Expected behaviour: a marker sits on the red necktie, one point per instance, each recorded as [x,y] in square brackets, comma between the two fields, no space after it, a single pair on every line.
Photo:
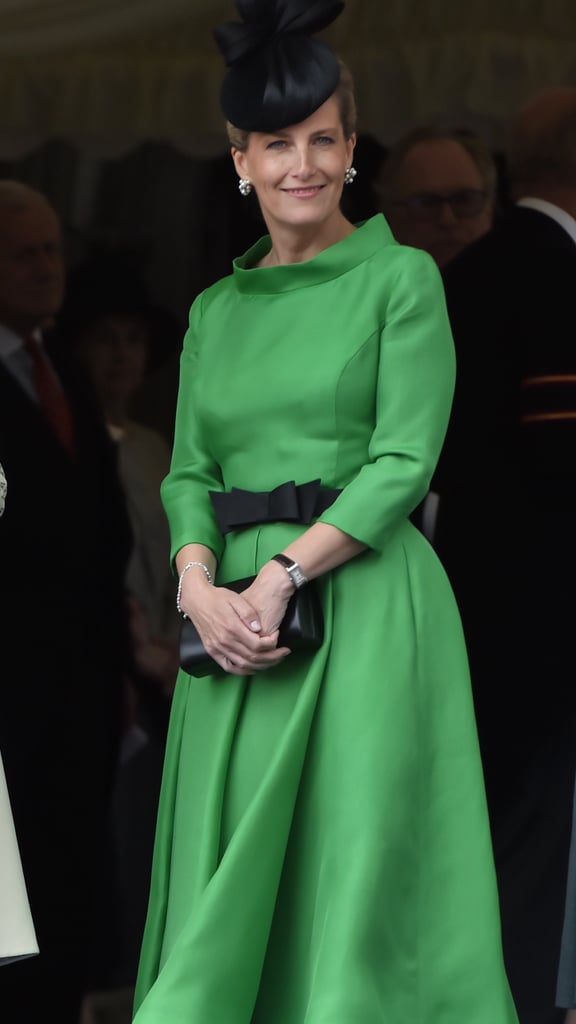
[51,397]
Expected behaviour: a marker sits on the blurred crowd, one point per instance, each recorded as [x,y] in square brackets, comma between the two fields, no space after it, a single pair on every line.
[90,630]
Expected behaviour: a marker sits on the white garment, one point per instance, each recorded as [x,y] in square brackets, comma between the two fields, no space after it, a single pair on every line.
[562,217]
[17,934]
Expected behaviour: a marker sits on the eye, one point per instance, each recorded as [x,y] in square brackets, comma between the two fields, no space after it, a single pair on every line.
[324,140]
[276,144]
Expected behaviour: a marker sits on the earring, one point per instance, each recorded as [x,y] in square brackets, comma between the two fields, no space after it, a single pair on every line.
[349,175]
[245,186]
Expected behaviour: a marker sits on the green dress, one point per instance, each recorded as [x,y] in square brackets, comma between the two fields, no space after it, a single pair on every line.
[323,852]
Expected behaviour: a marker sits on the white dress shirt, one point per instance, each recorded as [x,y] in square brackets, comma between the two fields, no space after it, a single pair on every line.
[565,220]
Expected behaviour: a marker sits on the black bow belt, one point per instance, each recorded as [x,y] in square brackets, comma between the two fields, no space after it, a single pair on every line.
[290,503]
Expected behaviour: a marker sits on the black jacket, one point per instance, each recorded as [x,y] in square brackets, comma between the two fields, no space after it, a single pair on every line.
[64,545]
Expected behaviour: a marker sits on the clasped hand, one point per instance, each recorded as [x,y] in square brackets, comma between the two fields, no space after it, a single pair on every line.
[240,631]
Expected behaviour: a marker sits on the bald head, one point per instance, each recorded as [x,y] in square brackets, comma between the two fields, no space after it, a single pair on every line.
[31,265]
[16,195]
[542,146]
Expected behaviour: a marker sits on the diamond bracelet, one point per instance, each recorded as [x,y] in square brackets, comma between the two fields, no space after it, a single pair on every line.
[189,565]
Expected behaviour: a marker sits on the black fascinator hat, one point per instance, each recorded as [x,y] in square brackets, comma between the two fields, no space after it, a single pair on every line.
[278,74]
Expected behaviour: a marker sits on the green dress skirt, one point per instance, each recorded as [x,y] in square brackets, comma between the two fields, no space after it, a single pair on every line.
[323,852]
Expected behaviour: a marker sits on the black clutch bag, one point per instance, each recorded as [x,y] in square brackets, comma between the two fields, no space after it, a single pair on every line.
[301,629]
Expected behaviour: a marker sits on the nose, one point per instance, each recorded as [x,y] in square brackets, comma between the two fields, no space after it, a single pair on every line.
[446,215]
[47,263]
[303,162]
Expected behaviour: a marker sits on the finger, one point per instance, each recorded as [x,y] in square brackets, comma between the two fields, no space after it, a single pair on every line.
[245,648]
[261,663]
[243,666]
[247,614]
[235,669]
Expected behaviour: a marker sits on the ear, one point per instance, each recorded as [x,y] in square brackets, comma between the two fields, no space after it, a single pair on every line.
[239,158]
[350,145]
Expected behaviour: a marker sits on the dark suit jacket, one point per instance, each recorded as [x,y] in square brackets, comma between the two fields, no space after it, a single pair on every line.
[64,544]
[507,474]
[506,534]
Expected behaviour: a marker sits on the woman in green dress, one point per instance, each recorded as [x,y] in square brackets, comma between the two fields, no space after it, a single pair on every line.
[323,853]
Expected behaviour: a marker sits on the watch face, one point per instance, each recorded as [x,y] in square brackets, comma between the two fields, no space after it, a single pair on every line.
[298,576]
[292,568]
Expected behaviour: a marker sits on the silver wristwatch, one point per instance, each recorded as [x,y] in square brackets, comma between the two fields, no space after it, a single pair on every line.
[293,569]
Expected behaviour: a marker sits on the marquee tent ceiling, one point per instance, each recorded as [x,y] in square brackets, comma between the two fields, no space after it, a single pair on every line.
[106,76]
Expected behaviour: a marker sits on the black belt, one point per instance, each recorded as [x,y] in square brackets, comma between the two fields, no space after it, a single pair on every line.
[290,503]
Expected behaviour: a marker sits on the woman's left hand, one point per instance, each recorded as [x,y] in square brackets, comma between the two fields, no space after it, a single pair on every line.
[269,595]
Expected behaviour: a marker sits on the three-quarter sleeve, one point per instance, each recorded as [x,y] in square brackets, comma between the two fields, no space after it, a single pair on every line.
[416,376]
[193,471]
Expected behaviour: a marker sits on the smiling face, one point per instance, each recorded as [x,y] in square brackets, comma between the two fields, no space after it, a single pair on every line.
[298,172]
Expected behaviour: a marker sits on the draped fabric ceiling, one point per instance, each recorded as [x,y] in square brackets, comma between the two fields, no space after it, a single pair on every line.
[106,75]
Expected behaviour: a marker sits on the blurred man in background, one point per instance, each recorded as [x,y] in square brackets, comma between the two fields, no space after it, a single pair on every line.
[505,529]
[64,544]
[438,191]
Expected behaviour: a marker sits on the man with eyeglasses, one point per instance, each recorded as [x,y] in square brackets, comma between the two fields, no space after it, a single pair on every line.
[506,533]
[437,190]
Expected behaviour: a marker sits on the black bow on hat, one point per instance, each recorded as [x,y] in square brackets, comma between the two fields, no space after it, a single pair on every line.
[278,74]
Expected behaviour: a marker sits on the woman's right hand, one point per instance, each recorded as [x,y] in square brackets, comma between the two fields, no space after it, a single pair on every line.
[230,629]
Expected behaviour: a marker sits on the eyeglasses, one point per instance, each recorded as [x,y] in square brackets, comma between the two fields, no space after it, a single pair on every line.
[464,202]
